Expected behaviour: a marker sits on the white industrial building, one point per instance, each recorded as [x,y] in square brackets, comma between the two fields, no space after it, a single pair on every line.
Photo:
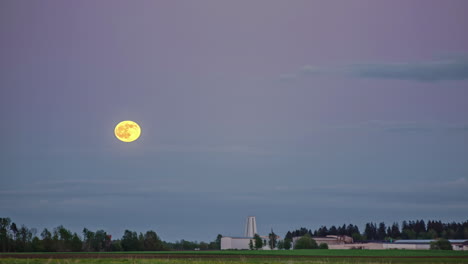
[329,240]
[457,244]
[240,243]
[422,244]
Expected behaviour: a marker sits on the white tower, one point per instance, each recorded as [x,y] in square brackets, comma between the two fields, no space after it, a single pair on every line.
[250,227]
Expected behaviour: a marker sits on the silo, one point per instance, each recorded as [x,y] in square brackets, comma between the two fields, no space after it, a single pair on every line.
[250,227]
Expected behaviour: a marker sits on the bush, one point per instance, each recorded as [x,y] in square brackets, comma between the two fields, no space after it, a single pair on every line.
[281,244]
[287,244]
[441,244]
[305,242]
[323,246]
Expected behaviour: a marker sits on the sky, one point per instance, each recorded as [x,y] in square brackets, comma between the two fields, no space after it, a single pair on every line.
[301,113]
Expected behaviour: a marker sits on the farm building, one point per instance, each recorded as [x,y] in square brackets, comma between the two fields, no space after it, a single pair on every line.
[235,242]
[457,244]
[329,240]
[241,242]
[228,242]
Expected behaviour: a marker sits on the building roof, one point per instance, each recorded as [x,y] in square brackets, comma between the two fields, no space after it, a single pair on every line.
[326,238]
[239,237]
[428,241]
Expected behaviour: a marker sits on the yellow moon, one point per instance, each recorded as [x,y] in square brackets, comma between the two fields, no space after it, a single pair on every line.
[127,131]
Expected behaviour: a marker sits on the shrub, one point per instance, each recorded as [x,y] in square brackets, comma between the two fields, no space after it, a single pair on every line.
[323,246]
[305,242]
[441,244]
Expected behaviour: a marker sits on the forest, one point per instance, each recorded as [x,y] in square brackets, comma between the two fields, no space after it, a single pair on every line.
[14,238]
[418,229]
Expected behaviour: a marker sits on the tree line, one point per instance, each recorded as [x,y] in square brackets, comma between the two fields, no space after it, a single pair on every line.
[258,242]
[60,239]
[418,229]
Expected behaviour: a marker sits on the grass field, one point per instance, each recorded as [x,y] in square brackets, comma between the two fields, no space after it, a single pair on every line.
[233,261]
[303,252]
[231,257]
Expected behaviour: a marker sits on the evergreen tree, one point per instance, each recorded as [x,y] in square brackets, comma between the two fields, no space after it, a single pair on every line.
[47,241]
[152,242]
[4,236]
[129,241]
[382,231]
[218,241]
[395,232]
[287,244]
[281,244]
[258,242]
[76,243]
[272,239]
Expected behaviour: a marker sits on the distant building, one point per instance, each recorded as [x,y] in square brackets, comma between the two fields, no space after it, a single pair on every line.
[250,227]
[236,242]
[240,243]
[329,240]
[422,244]
[457,244]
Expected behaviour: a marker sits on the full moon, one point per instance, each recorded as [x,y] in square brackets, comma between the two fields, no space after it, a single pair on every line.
[127,131]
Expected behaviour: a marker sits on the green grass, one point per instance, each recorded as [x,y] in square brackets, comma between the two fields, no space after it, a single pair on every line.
[304,252]
[232,261]
[242,256]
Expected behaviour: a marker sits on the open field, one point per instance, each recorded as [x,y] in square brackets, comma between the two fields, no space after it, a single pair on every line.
[220,257]
[237,260]
[248,253]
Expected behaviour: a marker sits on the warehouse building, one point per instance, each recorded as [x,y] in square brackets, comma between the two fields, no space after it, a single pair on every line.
[233,243]
[330,240]
[457,244]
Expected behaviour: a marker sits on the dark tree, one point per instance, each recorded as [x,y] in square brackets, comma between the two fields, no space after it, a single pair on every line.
[4,237]
[323,246]
[370,231]
[129,241]
[441,244]
[382,231]
[281,244]
[152,242]
[287,244]
[272,239]
[251,246]
[305,242]
[258,242]
[395,231]
[47,241]
[218,241]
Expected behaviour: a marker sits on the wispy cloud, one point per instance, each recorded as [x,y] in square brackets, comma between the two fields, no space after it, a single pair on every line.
[425,71]
[287,77]
[401,126]
[443,193]
[428,71]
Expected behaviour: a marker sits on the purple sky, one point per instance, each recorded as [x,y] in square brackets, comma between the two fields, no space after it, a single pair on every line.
[303,113]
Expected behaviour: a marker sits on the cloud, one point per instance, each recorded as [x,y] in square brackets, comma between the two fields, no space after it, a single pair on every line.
[429,71]
[426,71]
[310,70]
[287,77]
[81,194]
[212,149]
[410,127]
